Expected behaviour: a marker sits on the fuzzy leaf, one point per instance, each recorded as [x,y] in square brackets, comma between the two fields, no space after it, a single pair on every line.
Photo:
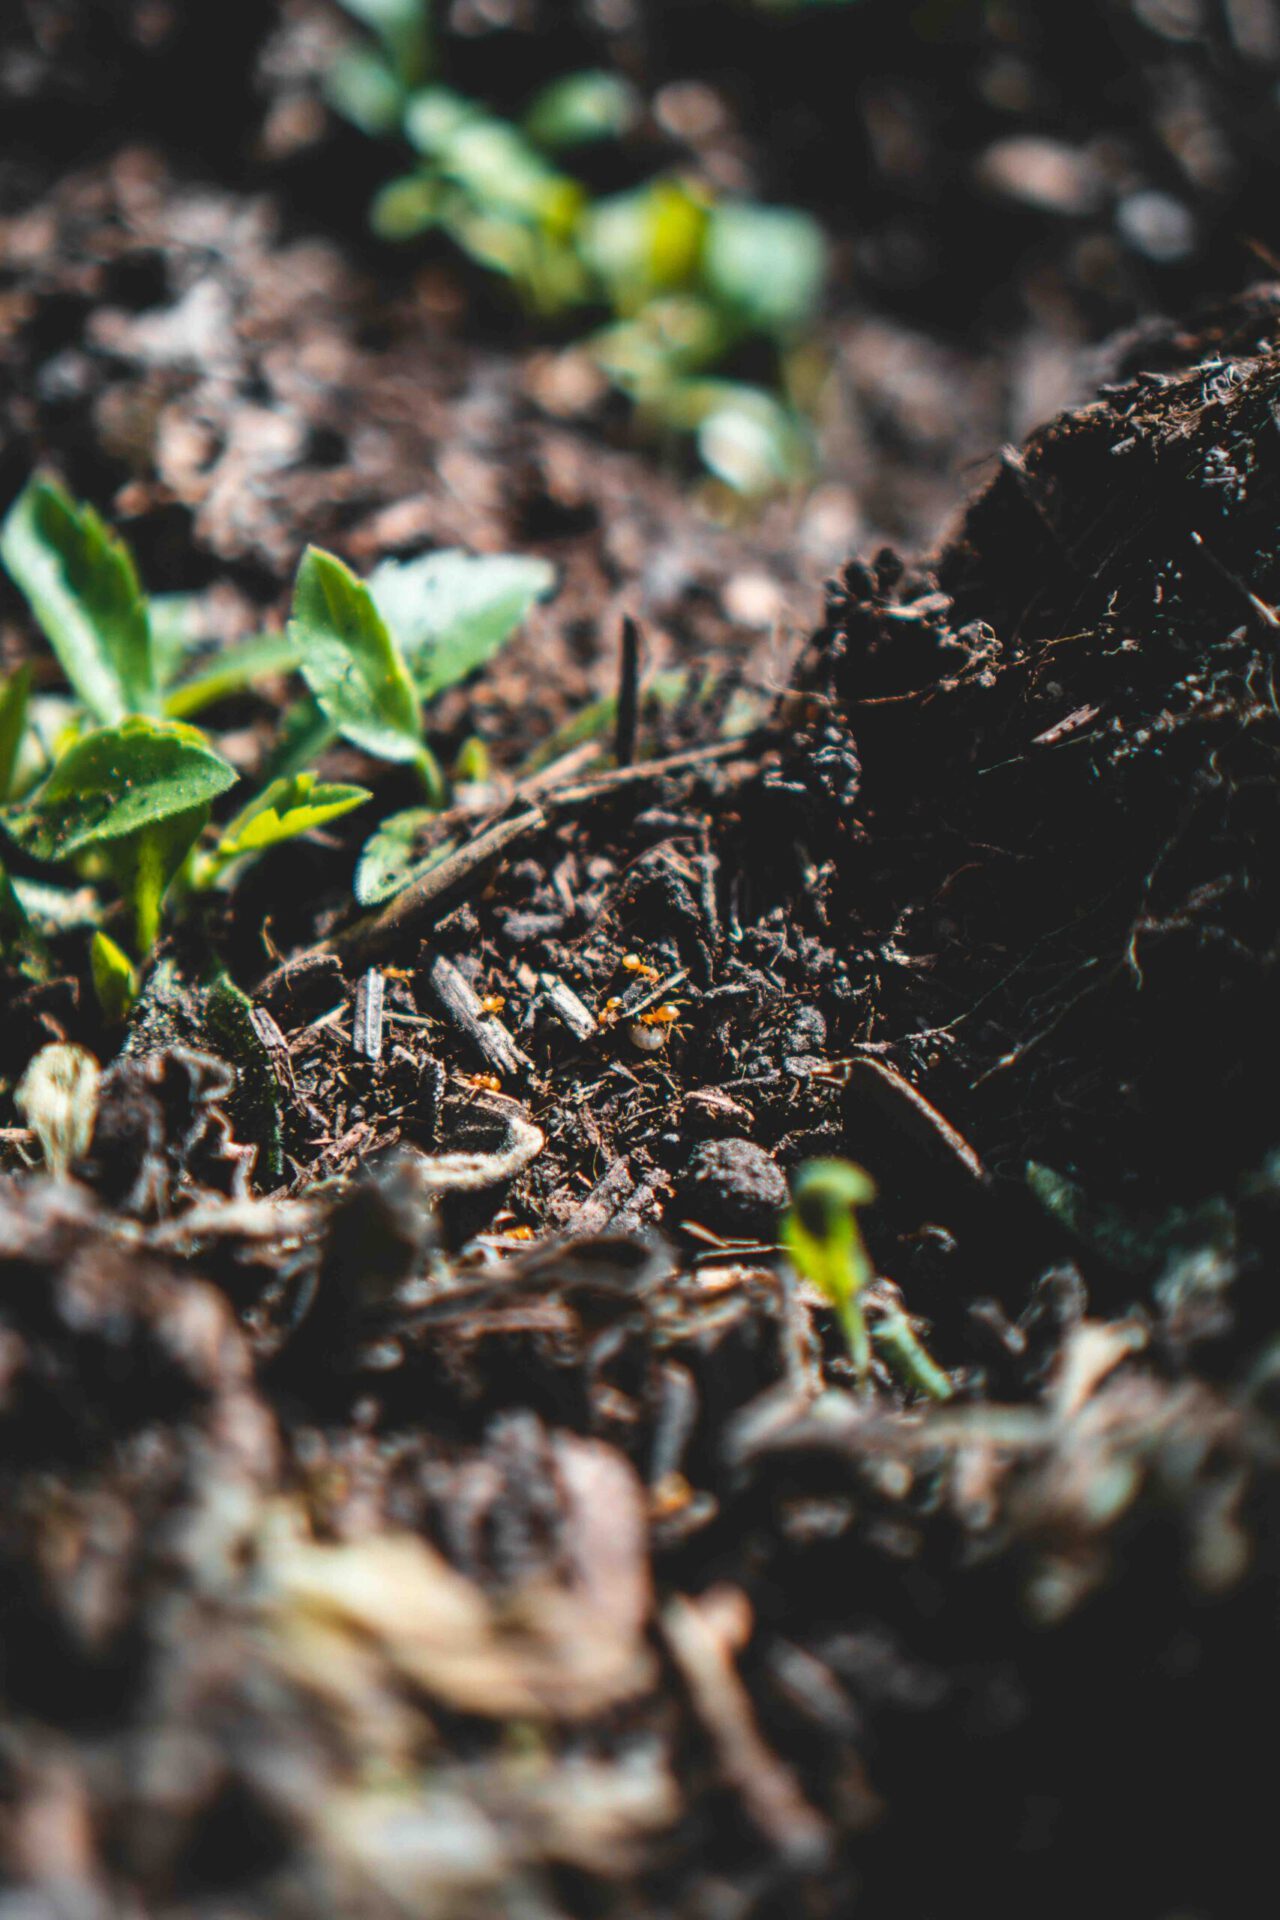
[116,781]
[451,611]
[83,588]
[350,661]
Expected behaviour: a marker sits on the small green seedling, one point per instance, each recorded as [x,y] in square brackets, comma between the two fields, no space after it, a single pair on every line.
[117,783]
[820,1231]
[897,1340]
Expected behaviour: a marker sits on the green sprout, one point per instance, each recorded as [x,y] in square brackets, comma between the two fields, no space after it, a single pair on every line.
[116,782]
[820,1232]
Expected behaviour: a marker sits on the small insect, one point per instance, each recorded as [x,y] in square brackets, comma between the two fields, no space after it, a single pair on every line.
[519,1233]
[398,973]
[632,963]
[609,1011]
[653,1029]
[482,1082]
[493,1003]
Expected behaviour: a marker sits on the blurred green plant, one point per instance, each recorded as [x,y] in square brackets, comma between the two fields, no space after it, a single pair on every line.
[821,1234]
[115,783]
[685,275]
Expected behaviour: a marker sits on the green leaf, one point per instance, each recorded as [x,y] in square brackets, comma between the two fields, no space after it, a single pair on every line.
[13,720]
[350,661]
[83,588]
[646,242]
[115,782]
[20,942]
[282,811]
[231,671]
[115,980]
[177,628]
[255,1103]
[363,88]
[403,27]
[434,116]
[746,436]
[767,264]
[580,107]
[304,733]
[664,340]
[393,856]
[451,611]
[492,161]
[407,206]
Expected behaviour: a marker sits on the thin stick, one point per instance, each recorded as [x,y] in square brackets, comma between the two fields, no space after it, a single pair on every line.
[367,936]
[628,694]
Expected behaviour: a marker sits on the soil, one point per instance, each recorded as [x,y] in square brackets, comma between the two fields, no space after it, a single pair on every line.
[426,1486]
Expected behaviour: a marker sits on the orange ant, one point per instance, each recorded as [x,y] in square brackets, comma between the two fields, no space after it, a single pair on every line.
[651,1031]
[632,963]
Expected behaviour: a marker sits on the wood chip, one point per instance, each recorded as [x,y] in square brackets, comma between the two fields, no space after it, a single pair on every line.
[460,1002]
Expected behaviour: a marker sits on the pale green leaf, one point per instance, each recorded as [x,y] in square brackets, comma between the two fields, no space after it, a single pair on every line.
[350,661]
[451,611]
[766,264]
[434,116]
[362,87]
[83,588]
[746,436]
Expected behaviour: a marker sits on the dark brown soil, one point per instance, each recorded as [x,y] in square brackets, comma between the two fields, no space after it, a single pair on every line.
[425,1487]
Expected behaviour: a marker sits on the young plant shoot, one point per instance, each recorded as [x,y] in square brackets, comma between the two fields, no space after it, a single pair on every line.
[820,1232]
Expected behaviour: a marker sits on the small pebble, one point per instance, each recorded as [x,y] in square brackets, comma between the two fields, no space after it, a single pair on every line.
[735,1188]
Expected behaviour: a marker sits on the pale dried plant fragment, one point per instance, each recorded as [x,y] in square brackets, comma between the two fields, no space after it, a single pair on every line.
[57,1096]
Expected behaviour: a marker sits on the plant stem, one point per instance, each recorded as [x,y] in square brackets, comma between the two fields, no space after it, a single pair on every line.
[432,777]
